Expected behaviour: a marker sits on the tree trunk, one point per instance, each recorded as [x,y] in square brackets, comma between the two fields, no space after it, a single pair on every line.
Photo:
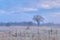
[38,23]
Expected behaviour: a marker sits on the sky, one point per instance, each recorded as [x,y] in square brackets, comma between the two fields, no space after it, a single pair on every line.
[24,10]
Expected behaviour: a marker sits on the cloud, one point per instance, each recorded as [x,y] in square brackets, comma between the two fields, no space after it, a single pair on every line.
[53,17]
[52,3]
[2,11]
[47,4]
[29,9]
[21,9]
[56,14]
[32,6]
[18,10]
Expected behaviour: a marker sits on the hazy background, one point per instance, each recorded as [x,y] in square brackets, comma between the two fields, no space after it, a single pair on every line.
[24,10]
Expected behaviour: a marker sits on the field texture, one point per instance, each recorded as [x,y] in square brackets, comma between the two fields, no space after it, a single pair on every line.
[29,33]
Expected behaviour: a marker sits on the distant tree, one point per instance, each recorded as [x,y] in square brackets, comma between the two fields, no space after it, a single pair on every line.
[38,19]
[8,24]
[30,23]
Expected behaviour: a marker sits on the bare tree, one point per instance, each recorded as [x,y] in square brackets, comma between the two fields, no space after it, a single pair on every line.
[38,19]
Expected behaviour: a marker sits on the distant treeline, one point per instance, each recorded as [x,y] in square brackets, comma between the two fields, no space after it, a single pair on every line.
[26,24]
[17,24]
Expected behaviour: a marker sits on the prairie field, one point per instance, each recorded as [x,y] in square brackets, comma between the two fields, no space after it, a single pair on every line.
[29,33]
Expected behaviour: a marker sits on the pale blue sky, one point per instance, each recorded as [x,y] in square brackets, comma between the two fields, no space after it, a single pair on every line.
[24,10]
